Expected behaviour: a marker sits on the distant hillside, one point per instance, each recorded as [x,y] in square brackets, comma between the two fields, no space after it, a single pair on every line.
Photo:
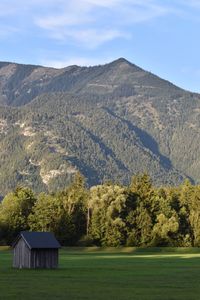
[109,122]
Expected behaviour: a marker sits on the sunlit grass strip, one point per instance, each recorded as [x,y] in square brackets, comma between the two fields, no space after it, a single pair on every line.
[102,275]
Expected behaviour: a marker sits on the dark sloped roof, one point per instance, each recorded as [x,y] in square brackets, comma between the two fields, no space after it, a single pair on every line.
[39,240]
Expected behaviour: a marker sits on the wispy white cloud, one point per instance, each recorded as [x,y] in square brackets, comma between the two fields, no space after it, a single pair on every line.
[89,38]
[142,13]
[86,21]
[76,60]
[55,21]
[79,21]
[104,3]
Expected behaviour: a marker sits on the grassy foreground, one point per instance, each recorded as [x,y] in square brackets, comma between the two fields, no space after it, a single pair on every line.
[127,273]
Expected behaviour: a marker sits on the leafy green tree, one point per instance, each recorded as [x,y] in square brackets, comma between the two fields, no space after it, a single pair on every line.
[15,210]
[74,201]
[108,214]
[63,213]
[107,224]
[194,216]
[48,215]
[164,229]
[141,218]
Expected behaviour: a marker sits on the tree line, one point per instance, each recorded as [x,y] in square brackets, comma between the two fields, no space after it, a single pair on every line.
[109,214]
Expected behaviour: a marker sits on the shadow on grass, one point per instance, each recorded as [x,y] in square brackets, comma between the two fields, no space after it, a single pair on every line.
[133,250]
[149,250]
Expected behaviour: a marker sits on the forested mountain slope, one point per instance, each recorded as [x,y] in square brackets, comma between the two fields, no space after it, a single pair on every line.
[109,122]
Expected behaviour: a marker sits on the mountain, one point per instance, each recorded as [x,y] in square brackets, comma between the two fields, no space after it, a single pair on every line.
[108,121]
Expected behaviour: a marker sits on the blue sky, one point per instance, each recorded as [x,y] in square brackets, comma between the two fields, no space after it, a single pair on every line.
[161,36]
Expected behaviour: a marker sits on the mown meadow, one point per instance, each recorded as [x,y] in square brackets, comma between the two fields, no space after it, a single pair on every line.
[110,273]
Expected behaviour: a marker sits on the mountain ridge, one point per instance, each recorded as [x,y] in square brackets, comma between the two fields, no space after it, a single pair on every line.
[108,121]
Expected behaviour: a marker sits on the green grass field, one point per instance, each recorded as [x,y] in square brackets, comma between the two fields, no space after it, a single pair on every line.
[127,273]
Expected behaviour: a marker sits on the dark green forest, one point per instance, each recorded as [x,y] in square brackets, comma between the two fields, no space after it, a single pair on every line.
[109,122]
[139,214]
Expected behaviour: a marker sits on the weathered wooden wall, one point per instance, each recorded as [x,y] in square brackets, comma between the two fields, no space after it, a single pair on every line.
[21,255]
[44,258]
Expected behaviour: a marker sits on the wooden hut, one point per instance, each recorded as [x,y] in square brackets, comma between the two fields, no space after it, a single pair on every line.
[35,250]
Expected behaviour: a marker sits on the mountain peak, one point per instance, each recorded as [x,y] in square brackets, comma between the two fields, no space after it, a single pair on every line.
[121,60]
[124,62]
